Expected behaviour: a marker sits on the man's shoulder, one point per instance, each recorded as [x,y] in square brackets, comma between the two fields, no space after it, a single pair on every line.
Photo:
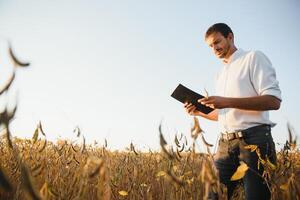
[248,54]
[256,56]
[255,53]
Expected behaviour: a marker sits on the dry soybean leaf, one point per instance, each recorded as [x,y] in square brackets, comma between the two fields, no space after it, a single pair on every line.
[8,83]
[35,135]
[290,133]
[123,193]
[176,141]
[105,143]
[285,186]
[182,148]
[161,173]
[205,142]
[196,129]
[271,165]
[190,181]
[188,173]
[143,185]
[77,130]
[41,128]
[251,147]
[263,162]
[44,191]
[240,172]
[132,148]
[52,192]
[206,93]
[174,178]
[161,137]
[16,60]
[175,168]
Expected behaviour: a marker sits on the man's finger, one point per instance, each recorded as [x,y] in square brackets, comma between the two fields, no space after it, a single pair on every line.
[200,100]
[189,105]
[210,105]
[208,101]
[204,99]
[191,109]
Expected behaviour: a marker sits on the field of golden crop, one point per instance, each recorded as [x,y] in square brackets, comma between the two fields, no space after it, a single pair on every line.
[37,169]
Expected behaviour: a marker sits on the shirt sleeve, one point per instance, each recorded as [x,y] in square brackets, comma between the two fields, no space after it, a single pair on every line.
[263,76]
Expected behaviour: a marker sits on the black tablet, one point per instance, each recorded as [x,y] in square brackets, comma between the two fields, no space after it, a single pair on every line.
[184,94]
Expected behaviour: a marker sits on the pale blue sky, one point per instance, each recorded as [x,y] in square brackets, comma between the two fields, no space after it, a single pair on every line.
[110,66]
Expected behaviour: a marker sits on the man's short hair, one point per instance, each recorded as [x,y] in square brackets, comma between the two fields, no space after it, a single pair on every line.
[222,28]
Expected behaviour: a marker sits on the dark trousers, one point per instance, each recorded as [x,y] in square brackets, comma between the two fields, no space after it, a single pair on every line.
[230,153]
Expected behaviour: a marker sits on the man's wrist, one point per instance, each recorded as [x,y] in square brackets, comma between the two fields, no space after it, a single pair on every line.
[228,102]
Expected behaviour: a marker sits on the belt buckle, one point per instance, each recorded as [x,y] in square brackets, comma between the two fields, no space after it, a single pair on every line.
[239,134]
[231,136]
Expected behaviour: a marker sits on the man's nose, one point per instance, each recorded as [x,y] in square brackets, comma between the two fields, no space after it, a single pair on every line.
[215,47]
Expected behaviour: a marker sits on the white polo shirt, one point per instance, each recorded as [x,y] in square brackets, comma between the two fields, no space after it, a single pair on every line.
[247,74]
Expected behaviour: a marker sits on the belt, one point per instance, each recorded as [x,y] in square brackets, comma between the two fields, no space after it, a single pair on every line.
[244,133]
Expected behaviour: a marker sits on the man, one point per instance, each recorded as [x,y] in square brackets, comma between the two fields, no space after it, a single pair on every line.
[246,89]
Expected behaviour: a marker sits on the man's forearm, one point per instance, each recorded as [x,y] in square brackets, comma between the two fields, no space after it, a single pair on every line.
[259,103]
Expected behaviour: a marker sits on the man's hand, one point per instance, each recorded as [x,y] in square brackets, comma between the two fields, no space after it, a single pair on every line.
[191,109]
[215,102]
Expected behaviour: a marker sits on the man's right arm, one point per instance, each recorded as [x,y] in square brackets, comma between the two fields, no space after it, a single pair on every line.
[191,110]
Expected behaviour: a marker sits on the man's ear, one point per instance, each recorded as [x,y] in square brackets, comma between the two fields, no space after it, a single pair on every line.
[230,36]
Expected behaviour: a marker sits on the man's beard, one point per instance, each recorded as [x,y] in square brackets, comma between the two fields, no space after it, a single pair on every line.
[225,52]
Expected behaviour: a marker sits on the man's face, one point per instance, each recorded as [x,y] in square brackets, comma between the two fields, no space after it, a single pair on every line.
[219,44]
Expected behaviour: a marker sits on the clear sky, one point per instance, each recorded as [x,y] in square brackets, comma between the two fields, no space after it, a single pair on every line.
[110,66]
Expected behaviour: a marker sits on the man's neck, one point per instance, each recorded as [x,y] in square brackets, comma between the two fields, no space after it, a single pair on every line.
[229,54]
